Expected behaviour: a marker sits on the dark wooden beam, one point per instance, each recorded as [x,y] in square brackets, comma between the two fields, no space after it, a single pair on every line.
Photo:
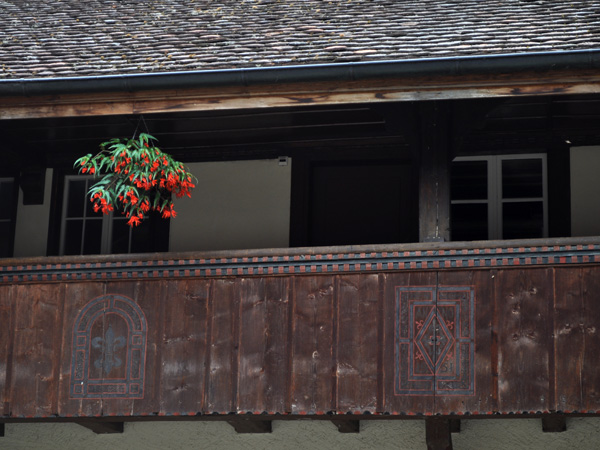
[434,173]
[101,427]
[347,426]
[437,433]
[1,430]
[243,425]
[554,424]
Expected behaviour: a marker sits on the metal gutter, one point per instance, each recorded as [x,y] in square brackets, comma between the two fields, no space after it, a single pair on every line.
[354,71]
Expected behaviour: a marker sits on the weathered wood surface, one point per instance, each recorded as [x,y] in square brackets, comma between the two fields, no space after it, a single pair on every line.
[402,341]
[302,93]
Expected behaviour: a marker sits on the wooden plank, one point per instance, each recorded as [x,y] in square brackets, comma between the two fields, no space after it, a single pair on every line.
[222,376]
[357,312]
[263,351]
[76,296]
[465,378]
[437,433]
[434,172]
[590,366]
[300,94]
[147,296]
[408,380]
[525,300]
[313,367]
[38,328]
[183,347]
[569,338]
[6,344]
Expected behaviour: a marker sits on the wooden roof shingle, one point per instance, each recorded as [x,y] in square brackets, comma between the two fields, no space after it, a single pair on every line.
[75,38]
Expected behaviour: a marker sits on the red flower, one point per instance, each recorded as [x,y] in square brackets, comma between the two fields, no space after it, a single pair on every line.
[133,220]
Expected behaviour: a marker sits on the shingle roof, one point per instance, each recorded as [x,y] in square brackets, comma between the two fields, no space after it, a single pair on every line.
[66,38]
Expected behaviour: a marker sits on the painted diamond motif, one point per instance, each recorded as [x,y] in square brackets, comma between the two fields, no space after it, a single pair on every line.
[435,340]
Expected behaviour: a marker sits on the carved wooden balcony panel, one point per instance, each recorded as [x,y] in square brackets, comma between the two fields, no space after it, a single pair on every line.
[492,328]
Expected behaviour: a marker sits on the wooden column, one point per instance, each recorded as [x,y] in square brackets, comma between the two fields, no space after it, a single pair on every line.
[347,426]
[437,433]
[554,424]
[250,426]
[102,427]
[434,173]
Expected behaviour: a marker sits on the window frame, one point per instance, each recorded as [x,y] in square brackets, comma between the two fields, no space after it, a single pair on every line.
[495,200]
[159,228]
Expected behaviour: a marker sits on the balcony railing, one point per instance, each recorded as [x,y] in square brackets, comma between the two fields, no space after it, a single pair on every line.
[450,329]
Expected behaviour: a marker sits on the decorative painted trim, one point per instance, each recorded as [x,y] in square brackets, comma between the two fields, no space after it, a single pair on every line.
[299,264]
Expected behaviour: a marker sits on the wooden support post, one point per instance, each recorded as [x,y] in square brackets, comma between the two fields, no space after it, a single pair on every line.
[437,433]
[347,426]
[101,427]
[434,173]
[243,425]
[554,424]
[454,425]
[1,430]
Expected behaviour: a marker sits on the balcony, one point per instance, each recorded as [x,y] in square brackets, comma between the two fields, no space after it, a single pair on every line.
[338,333]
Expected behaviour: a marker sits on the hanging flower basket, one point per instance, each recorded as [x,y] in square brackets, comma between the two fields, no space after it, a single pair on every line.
[136,177]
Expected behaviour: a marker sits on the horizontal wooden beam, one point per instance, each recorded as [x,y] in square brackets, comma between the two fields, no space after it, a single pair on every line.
[300,94]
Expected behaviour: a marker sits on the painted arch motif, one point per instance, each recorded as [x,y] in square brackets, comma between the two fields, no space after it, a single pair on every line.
[109,349]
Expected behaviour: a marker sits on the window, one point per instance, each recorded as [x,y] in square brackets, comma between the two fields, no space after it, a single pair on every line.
[8,205]
[85,232]
[499,197]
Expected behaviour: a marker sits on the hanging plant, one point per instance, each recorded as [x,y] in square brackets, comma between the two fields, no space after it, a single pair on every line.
[136,177]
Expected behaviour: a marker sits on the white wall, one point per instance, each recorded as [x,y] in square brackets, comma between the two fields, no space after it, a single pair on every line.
[585,191]
[31,232]
[235,205]
[488,434]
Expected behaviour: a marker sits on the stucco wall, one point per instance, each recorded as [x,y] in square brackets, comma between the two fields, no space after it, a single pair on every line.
[585,191]
[492,434]
[31,231]
[236,205]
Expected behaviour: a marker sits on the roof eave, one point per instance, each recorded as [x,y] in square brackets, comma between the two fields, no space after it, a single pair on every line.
[352,71]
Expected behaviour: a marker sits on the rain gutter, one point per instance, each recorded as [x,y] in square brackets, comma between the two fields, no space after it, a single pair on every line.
[340,72]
